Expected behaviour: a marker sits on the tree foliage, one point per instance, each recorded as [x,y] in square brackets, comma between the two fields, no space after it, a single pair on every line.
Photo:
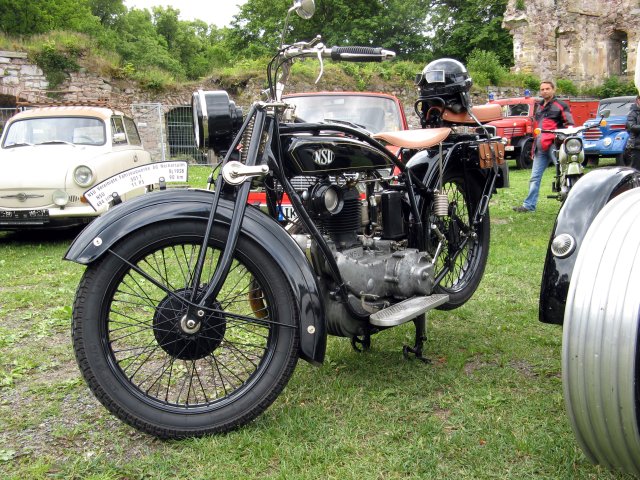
[417,30]
[393,24]
[457,27]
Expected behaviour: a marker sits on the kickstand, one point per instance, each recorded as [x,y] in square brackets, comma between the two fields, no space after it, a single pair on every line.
[420,323]
[362,343]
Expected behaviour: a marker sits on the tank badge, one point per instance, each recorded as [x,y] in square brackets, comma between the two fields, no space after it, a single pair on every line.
[323,157]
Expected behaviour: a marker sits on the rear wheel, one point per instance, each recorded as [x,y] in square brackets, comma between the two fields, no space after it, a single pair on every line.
[525,159]
[172,373]
[600,346]
[463,248]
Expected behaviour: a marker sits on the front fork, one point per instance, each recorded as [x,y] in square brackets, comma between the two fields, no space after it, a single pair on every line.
[255,125]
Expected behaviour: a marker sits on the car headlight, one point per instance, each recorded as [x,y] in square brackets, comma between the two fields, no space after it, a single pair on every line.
[60,198]
[83,176]
[573,146]
[607,141]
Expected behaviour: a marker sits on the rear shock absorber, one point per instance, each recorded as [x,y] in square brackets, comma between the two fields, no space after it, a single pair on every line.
[440,198]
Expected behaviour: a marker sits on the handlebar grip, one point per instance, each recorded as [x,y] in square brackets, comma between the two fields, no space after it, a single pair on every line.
[361,54]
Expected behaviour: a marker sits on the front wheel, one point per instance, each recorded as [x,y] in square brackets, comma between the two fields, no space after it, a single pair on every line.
[461,247]
[601,338]
[163,372]
[525,159]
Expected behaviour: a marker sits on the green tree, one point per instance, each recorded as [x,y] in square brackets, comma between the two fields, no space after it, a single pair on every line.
[108,11]
[457,27]
[393,24]
[142,45]
[21,17]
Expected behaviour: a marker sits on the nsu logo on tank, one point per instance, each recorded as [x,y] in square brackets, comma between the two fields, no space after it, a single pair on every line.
[323,157]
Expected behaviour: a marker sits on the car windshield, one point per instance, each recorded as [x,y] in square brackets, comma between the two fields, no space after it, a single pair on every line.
[616,108]
[55,130]
[376,114]
[516,110]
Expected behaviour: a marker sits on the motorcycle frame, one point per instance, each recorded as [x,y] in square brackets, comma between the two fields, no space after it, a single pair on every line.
[264,119]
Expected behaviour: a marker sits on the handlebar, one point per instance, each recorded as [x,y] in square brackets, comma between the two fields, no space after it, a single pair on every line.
[361,54]
[347,54]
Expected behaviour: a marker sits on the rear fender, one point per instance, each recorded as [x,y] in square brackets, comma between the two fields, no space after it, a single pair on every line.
[587,197]
[171,205]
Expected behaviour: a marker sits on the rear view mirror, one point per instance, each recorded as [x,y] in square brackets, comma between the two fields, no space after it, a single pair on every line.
[304,8]
[119,137]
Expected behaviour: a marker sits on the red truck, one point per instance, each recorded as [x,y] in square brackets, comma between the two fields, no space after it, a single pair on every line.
[517,123]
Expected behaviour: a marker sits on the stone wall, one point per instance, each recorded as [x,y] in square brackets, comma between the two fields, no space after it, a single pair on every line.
[580,40]
[18,74]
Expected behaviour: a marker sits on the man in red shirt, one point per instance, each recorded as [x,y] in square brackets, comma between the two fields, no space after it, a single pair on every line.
[552,114]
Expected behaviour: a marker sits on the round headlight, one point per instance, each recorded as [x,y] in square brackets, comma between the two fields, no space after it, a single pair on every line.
[563,245]
[327,200]
[83,176]
[60,198]
[607,141]
[573,145]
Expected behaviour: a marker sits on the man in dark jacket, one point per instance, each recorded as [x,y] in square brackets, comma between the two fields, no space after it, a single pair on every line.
[552,114]
[633,127]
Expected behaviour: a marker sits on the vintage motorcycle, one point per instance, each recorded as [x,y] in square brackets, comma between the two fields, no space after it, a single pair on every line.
[590,287]
[195,306]
[569,157]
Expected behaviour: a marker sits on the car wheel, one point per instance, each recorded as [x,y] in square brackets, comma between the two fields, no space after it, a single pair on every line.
[591,161]
[600,352]
[525,159]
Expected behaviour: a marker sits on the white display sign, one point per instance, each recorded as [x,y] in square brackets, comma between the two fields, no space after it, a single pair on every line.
[123,182]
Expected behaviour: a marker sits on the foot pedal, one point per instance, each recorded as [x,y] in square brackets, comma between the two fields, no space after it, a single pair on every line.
[406,310]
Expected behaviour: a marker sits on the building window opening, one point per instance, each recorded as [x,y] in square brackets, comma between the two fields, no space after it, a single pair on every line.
[618,53]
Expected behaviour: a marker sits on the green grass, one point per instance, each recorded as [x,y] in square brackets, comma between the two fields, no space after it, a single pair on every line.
[489,406]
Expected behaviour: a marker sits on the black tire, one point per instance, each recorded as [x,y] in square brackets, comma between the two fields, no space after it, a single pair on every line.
[525,159]
[463,257]
[591,161]
[148,369]
[624,159]
[601,338]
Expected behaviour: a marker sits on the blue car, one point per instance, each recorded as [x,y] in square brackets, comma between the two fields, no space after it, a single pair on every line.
[609,140]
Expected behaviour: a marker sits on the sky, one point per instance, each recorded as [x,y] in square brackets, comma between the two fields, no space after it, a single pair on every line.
[218,12]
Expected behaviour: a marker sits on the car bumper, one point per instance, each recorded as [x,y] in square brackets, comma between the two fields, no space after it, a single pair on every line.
[49,218]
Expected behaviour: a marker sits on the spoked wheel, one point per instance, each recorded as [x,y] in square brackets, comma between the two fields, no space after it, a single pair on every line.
[463,256]
[172,371]
[601,338]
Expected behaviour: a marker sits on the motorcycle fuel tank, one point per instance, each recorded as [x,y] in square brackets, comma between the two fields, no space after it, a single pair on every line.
[318,155]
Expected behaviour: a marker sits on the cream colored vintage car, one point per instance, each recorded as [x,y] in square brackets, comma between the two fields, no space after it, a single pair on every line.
[50,156]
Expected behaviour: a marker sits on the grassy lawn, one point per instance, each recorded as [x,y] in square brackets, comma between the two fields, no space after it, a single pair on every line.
[489,406]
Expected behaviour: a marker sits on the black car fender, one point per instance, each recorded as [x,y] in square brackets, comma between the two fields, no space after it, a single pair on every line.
[118,222]
[585,200]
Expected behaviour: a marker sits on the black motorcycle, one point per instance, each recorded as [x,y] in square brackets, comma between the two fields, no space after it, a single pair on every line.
[195,306]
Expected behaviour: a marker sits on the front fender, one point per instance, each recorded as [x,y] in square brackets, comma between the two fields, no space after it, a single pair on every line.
[589,195]
[120,221]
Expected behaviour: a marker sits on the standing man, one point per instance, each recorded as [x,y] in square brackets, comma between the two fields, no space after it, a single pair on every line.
[552,114]
[633,127]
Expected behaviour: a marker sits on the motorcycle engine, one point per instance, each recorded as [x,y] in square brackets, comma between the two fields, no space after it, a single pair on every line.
[368,240]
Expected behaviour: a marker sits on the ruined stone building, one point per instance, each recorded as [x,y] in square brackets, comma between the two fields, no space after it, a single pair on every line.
[585,41]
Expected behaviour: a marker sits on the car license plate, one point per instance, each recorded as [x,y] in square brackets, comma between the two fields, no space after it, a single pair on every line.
[24,217]
[123,182]
[509,148]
